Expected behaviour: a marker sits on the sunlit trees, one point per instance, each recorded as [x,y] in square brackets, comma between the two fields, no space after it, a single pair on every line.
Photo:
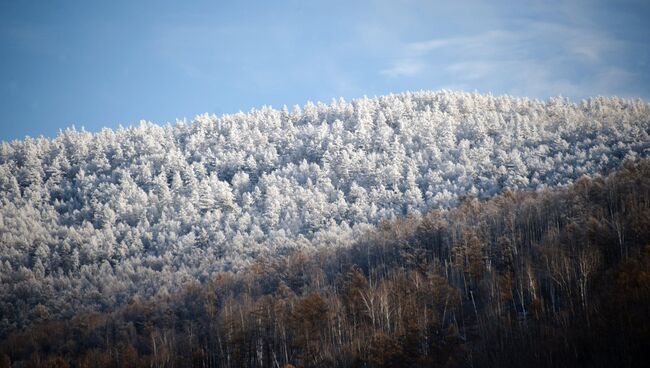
[218,192]
[524,279]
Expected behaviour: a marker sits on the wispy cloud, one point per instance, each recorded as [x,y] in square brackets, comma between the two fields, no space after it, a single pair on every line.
[538,58]
[473,69]
[425,46]
[404,68]
[479,42]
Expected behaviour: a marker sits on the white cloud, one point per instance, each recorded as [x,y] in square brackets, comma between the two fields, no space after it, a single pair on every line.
[429,45]
[473,69]
[537,59]
[477,42]
[404,68]
[587,52]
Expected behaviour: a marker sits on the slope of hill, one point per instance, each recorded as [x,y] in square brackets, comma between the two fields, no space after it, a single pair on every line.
[557,277]
[89,221]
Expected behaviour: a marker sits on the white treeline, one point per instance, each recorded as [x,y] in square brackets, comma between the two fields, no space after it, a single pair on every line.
[103,217]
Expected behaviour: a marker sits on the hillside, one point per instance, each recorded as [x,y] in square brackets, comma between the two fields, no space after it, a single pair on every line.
[554,278]
[90,221]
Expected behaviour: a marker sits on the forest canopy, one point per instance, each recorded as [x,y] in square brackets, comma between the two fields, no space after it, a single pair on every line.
[90,221]
[537,279]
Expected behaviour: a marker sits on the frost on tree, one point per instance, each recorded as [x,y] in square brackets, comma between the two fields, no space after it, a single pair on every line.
[122,212]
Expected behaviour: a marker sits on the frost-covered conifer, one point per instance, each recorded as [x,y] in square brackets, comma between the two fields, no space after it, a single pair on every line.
[150,208]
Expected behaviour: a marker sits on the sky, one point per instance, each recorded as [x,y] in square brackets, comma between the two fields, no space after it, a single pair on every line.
[96,64]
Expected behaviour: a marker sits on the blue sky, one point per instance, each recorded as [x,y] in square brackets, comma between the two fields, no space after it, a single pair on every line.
[111,63]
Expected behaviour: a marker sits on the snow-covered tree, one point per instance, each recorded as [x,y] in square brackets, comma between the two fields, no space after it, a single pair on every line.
[146,208]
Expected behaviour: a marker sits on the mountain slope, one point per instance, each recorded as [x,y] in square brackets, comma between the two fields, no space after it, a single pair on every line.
[557,277]
[103,217]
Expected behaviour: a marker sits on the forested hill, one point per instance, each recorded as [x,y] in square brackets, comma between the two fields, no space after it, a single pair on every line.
[553,278]
[88,221]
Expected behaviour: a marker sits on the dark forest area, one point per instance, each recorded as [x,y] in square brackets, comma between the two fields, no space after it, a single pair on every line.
[554,277]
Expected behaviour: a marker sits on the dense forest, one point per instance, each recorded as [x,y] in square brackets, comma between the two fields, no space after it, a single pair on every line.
[553,277]
[93,221]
